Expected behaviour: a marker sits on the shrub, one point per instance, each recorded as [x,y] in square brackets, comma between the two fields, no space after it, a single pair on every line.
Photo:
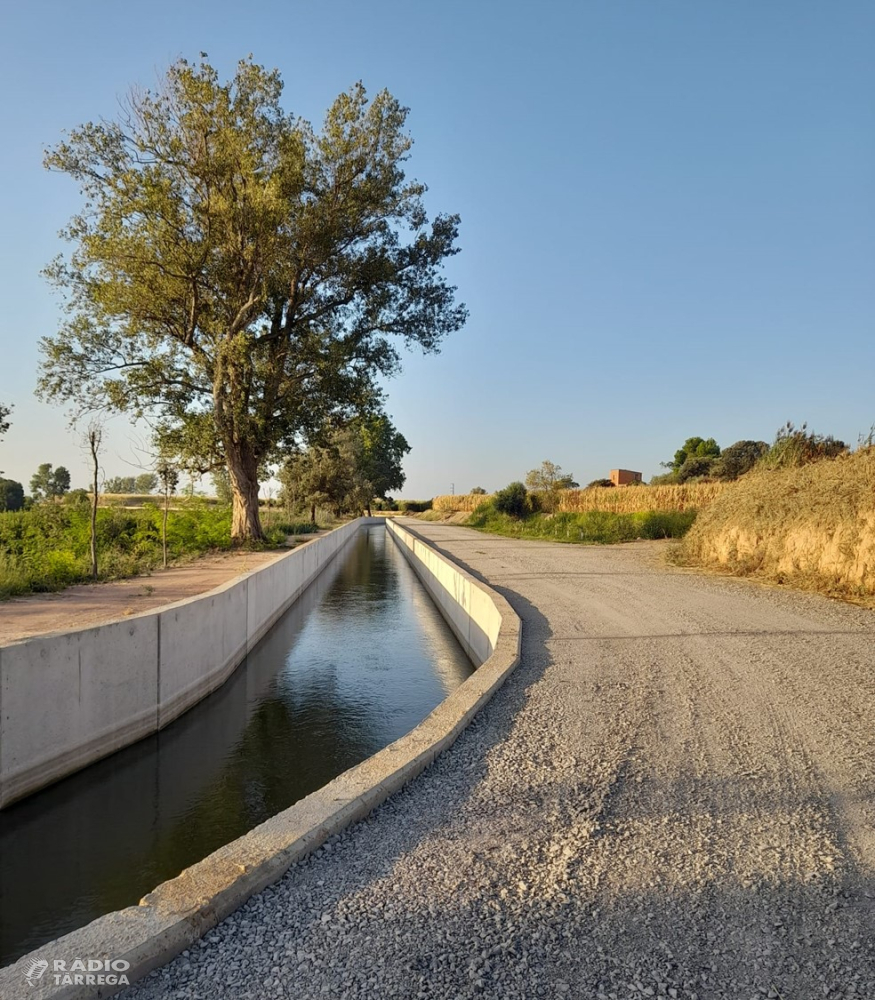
[738,459]
[606,483]
[414,506]
[695,467]
[797,446]
[513,500]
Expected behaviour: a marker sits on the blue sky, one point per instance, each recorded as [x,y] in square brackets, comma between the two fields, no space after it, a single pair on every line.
[668,211]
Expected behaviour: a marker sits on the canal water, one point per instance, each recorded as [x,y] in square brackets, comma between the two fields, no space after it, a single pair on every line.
[358,661]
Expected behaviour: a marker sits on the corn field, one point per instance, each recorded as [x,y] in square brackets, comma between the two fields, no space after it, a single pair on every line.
[616,500]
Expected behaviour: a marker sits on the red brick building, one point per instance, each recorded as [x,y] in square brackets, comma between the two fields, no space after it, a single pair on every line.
[623,477]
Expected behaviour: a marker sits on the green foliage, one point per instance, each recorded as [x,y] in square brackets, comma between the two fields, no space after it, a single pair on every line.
[48,483]
[413,506]
[11,495]
[5,411]
[695,467]
[694,447]
[222,485]
[548,480]
[240,274]
[593,527]
[382,451]
[513,501]
[141,485]
[600,483]
[797,446]
[48,547]
[478,491]
[738,459]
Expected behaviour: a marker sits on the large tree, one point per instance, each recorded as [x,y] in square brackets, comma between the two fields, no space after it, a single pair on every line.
[238,273]
[383,448]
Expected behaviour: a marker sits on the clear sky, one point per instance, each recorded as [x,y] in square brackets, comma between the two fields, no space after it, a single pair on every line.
[668,210]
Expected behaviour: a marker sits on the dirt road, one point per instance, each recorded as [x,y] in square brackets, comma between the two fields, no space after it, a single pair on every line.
[673,796]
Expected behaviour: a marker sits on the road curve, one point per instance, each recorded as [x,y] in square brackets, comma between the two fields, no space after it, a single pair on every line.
[674,795]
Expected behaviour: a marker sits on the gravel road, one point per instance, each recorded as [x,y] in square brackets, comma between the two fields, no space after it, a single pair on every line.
[672,796]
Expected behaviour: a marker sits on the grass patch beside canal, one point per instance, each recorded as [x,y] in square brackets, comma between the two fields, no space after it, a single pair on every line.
[591,527]
[47,547]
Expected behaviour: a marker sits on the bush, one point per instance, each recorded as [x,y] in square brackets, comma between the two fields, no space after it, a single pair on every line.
[606,483]
[590,527]
[695,467]
[738,459]
[48,547]
[413,506]
[794,447]
[11,495]
[513,500]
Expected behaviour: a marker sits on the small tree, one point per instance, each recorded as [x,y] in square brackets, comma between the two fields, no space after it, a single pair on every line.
[601,483]
[48,483]
[549,480]
[93,440]
[168,478]
[4,421]
[478,491]
[11,495]
[145,483]
[119,484]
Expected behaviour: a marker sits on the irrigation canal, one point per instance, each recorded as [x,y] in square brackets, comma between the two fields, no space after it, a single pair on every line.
[356,662]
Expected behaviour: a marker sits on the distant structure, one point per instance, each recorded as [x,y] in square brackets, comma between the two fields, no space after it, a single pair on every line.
[623,477]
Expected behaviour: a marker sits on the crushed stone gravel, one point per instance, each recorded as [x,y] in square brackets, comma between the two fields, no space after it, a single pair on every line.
[671,797]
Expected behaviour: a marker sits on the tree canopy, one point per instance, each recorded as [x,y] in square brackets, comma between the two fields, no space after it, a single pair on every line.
[145,483]
[346,469]
[48,483]
[5,412]
[11,495]
[239,275]
[548,479]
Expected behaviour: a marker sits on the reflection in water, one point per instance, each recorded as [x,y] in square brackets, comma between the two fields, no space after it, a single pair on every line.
[358,661]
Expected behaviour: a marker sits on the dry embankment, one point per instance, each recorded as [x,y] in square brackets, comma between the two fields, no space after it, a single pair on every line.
[812,527]
[614,500]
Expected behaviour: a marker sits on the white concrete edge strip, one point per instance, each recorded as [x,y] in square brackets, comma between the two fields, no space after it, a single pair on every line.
[180,911]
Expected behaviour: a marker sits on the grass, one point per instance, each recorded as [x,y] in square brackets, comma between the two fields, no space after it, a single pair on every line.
[809,526]
[591,527]
[615,500]
[47,548]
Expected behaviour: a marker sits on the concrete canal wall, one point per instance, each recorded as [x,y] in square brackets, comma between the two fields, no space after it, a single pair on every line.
[466,604]
[68,699]
[178,912]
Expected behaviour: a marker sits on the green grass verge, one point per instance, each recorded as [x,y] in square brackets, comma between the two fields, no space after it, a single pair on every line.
[48,547]
[592,527]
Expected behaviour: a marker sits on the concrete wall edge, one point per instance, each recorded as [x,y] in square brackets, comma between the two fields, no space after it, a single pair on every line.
[181,910]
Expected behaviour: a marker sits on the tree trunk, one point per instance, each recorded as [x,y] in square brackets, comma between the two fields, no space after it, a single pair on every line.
[164,528]
[312,513]
[94,443]
[243,471]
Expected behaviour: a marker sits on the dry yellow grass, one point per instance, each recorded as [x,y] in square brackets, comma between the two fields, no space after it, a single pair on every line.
[813,527]
[638,499]
[615,500]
